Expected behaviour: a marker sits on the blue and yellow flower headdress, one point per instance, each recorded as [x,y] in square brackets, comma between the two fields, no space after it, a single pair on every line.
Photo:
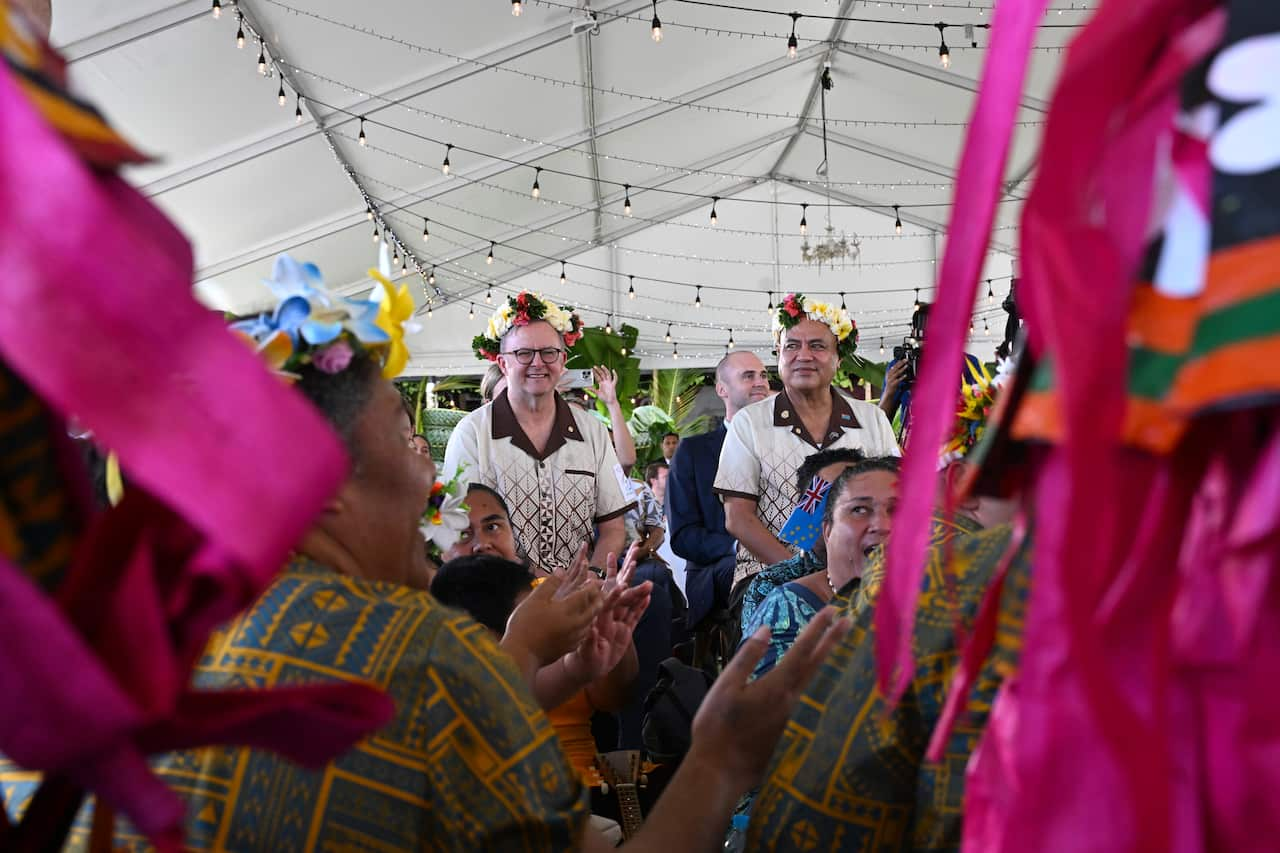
[310,325]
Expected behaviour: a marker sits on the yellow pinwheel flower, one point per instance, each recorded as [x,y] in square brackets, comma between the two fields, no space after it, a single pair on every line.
[394,312]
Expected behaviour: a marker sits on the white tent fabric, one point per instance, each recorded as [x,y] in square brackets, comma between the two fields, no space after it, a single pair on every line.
[716,109]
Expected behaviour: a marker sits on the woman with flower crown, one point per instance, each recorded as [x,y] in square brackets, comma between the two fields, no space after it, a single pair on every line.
[768,440]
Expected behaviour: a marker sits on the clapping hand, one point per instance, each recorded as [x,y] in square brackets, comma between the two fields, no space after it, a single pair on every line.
[609,638]
[557,617]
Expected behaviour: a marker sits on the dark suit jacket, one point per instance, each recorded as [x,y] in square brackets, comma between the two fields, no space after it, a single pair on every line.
[696,521]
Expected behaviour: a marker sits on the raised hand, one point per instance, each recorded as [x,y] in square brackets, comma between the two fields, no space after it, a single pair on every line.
[606,384]
[549,623]
[607,642]
[740,722]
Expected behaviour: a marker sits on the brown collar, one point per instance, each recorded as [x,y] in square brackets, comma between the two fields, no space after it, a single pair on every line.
[505,425]
[842,418]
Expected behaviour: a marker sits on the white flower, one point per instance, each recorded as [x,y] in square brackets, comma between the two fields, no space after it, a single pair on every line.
[446,529]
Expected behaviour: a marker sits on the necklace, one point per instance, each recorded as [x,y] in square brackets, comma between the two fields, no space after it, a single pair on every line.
[834,592]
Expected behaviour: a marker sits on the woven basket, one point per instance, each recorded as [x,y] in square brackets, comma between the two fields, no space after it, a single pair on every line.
[437,426]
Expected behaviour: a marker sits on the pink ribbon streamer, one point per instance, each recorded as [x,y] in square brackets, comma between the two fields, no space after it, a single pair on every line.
[238,465]
[977,189]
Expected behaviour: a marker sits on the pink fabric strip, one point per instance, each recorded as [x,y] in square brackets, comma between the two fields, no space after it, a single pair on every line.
[977,189]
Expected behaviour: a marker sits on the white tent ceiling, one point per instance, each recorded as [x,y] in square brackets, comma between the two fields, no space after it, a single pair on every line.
[716,109]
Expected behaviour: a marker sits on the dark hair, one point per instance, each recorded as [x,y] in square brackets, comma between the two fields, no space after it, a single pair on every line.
[815,462]
[484,586]
[341,397]
[676,434]
[889,464]
[651,470]
[493,493]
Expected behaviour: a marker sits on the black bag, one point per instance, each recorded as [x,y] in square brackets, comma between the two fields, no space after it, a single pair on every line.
[669,710]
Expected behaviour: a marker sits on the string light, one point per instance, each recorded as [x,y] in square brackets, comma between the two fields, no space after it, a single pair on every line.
[262,59]
[626,200]
[770,300]
[608,325]
[668,337]
[281,97]
[430,309]
[991,294]
[431,279]
[804,219]
[897,221]
[917,305]
[489,260]
[426,229]
[361,138]
[444,167]
[404,266]
[488,296]
[471,312]
[655,29]
[843,307]
[217,9]
[697,298]
[714,219]
[239,30]
[792,43]
[368,212]
[564,276]
[675,352]
[631,288]
[516,8]
[297,111]
[536,190]
[376,235]
[986,329]
[971,325]
[395,257]
[730,344]
[624,355]
[944,54]
[882,346]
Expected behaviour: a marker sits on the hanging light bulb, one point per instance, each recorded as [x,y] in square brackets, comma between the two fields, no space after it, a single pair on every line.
[843,307]
[917,305]
[281,97]
[426,229]
[516,8]
[697,297]
[668,338]
[986,329]
[404,265]
[395,257]
[368,212]
[240,31]
[489,260]
[217,9]
[471,312]
[608,325]
[262,59]
[792,43]
[944,54]
[882,346]
[626,200]
[971,325]
[430,310]
[730,344]
[376,235]
[656,28]
[714,219]
[991,294]
[431,279]
[631,288]
[770,300]
[444,167]
[804,219]
[297,111]
[488,296]
[361,138]
[897,221]
[564,276]
[536,190]
[624,355]
[675,352]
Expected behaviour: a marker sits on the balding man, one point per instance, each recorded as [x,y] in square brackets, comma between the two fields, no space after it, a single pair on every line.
[696,516]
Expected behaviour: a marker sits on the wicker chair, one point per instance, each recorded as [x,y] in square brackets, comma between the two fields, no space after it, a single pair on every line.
[437,426]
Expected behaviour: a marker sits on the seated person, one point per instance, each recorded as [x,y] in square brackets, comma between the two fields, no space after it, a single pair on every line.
[846,745]
[857,518]
[827,464]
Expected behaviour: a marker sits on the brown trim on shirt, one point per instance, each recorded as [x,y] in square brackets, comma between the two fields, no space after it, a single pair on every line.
[842,418]
[729,493]
[505,425]
[617,512]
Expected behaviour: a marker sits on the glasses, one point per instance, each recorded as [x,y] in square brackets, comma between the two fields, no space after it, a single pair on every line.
[549,355]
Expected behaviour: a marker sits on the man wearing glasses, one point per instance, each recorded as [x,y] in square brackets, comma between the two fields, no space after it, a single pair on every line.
[554,465]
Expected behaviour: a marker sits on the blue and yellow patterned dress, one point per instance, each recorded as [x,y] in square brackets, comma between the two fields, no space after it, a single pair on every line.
[848,773]
[469,762]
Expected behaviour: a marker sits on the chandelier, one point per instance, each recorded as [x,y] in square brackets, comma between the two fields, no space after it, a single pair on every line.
[828,249]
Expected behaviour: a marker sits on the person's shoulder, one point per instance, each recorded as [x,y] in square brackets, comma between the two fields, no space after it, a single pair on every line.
[864,410]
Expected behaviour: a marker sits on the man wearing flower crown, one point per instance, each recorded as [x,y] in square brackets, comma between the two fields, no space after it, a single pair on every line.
[767,441]
[554,464]
[855,773]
